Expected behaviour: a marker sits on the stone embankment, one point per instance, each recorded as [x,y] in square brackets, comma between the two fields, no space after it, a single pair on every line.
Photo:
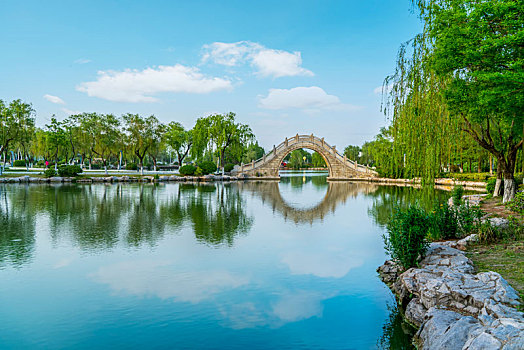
[442,183]
[172,178]
[453,307]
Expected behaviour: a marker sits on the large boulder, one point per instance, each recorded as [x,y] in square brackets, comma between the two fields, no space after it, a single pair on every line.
[454,307]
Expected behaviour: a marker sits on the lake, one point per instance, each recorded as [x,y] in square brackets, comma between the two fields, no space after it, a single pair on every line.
[255,264]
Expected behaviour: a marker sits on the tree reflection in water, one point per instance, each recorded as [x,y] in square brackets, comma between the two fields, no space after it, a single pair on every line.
[17,229]
[385,198]
[99,217]
[395,330]
[217,214]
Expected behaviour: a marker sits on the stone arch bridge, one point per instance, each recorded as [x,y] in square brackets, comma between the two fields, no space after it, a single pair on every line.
[339,166]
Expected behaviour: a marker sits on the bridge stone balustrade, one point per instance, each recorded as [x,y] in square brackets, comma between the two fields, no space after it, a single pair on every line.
[339,166]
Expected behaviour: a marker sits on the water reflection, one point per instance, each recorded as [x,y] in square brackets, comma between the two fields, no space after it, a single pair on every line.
[102,216]
[397,333]
[182,260]
[336,193]
[17,237]
[385,198]
[99,217]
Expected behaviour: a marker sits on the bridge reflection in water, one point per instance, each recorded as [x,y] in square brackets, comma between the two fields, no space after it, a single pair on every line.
[337,193]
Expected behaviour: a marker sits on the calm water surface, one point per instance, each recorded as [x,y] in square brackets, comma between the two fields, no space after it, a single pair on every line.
[256,265]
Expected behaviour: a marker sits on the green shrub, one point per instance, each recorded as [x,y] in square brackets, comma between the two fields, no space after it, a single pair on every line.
[487,233]
[131,166]
[19,163]
[50,172]
[69,170]
[490,185]
[456,194]
[444,224]
[207,167]
[228,167]
[199,171]
[407,231]
[517,203]
[470,176]
[157,177]
[468,219]
[187,169]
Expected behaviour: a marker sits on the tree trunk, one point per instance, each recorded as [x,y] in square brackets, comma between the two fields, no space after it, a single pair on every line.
[510,187]
[498,184]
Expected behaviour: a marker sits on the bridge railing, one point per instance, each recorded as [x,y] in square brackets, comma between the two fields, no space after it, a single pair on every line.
[306,138]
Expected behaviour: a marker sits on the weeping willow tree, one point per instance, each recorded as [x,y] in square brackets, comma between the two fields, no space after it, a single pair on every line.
[423,132]
[464,74]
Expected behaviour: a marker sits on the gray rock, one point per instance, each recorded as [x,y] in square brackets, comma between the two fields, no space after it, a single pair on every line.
[56,179]
[499,222]
[455,308]
[463,243]
[415,312]
[389,272]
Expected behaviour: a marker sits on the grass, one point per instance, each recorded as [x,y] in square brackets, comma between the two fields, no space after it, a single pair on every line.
[506,258]
[495,208]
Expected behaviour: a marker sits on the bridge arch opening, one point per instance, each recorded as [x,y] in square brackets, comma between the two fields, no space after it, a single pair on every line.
[292,149]
[339,167]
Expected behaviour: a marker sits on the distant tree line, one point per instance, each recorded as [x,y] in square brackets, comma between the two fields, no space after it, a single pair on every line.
[96,140]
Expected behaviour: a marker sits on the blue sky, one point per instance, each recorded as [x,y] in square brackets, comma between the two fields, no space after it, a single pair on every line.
[283,66]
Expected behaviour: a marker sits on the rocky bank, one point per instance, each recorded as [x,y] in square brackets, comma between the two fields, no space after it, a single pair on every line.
[453,307]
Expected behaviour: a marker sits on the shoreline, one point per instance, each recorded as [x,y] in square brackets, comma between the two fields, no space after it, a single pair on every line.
[444,184]
[451,305]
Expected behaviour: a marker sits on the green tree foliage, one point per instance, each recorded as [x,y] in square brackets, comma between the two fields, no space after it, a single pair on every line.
[105,133]
[317,160]
[142,135]
[464,72]
[103,138]
[55,140]
[220,133]
[179,139]
[156,140]
[253,152]
[296,159]
[16,125]
[352,152]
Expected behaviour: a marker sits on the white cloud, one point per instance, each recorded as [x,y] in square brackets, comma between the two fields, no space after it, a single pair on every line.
[387,89]
[70,112]
[133,85]
[160,279]
[298,306]
[82,61]
[54,99]
[268,62]
[329,263]
[309,98]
